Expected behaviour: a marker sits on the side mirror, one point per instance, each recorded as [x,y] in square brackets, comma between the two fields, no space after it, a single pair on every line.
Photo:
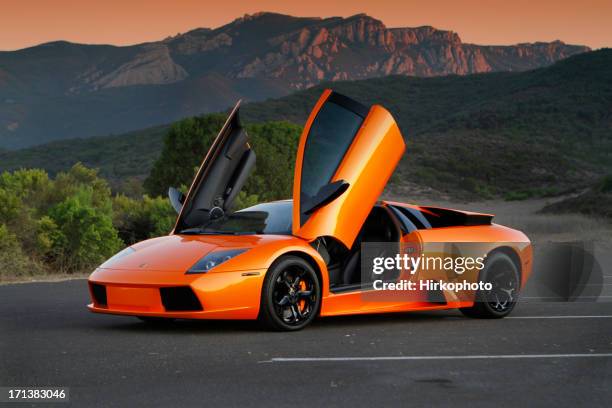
[326,194]
[176,199]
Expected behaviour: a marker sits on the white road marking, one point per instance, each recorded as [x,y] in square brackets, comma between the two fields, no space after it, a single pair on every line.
[416,358]
[560,317]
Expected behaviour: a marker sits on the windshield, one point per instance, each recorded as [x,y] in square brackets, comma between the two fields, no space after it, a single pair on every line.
[268,218]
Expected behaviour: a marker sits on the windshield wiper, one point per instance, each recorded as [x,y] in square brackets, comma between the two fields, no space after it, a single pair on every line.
[200,231]
[196,231]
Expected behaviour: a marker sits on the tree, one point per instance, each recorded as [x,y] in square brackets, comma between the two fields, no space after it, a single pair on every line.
[275,144]
[188,141]
[185,145]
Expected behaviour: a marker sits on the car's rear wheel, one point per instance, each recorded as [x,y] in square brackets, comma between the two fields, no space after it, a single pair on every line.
[291,295]
[498,302]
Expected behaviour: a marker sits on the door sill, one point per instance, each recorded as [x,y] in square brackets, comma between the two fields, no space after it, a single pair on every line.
[357,287]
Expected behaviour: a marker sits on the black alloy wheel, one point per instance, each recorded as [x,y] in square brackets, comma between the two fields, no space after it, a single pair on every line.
[502,296]
[501,271]
[291,294]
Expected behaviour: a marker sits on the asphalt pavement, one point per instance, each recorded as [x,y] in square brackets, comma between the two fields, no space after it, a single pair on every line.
[546,354]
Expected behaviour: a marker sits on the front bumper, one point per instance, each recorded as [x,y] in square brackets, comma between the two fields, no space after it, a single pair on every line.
[223,295]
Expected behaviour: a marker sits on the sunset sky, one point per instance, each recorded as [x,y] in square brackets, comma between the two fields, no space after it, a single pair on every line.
[29,22]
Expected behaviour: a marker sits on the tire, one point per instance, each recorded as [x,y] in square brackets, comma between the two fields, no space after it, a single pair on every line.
[497,303]
[291,295]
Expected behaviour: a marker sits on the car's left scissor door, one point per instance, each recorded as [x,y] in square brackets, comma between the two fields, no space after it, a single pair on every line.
[346,154]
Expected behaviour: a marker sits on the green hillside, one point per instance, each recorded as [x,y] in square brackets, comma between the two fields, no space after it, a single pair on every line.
[512,134]
[535,132]
[118,157]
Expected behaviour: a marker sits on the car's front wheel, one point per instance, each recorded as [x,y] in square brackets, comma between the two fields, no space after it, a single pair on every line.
[291,294]
[498,302]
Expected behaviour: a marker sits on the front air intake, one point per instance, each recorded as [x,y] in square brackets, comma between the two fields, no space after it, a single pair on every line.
[179,299]
[98,292]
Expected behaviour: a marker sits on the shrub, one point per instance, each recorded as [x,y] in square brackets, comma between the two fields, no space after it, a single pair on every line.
[245,200]
[79,176]
[605,184]
[13,261]
[517,195]
[137,220]
[70,223]
[85,236]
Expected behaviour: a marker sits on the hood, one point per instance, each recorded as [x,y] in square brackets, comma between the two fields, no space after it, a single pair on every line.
[178,253]
[170,253]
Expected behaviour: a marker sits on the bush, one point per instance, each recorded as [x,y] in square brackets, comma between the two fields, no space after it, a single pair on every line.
[13,261]
[84,236]
[245,200]
[24,195]
[70,223]
[517,195]
[137,220]
[605,184]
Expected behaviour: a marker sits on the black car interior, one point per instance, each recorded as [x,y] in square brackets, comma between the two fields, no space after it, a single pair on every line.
[344,265]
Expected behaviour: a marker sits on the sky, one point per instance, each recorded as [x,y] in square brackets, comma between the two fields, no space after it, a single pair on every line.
[24,23]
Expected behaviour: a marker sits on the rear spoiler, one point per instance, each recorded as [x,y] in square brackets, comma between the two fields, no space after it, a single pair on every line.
[447,216]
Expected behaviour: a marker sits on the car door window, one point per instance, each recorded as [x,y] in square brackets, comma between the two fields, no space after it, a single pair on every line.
[330,136]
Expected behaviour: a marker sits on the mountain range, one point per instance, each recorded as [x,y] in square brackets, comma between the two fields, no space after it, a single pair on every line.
[62,90]
[514,134]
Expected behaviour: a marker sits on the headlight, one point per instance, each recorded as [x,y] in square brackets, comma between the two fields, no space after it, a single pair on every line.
[214,259]
[117,256]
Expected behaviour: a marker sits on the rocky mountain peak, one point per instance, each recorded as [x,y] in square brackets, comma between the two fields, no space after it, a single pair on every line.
[255,56]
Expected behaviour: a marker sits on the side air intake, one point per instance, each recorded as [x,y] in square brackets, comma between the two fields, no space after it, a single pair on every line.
[98,293]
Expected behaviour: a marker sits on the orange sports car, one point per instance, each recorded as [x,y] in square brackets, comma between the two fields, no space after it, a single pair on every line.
[286,262]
